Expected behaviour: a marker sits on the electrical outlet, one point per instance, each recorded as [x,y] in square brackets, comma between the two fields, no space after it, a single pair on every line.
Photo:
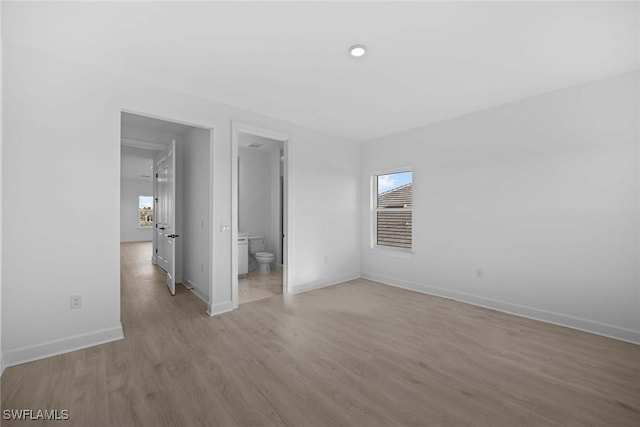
[326,259]
[75,302]
[225,226]
[479,273]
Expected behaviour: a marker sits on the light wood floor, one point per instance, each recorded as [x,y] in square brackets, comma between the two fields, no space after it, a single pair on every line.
[356,354]
[258,286]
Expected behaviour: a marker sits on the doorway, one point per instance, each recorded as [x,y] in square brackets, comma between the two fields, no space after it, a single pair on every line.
[169,163]
[261,260]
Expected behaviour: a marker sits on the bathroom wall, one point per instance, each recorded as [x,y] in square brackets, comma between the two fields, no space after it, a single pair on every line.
[254,199]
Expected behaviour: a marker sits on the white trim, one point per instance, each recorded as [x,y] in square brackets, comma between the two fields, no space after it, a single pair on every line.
[288,215]
[163,118]
[287,256]
[145,145]
[234,215]
[259,131]
[310,286]
[373,216]
[190,285]
[392,170]
[222,307]
[211,216]
[585,325]
[30,353]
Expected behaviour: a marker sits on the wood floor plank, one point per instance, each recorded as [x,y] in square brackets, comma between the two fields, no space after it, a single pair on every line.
[359,354]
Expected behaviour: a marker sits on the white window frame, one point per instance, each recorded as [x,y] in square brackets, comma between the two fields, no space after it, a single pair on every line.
[153,209]
[373,244]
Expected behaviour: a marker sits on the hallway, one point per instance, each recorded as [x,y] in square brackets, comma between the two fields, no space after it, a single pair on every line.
[147,304]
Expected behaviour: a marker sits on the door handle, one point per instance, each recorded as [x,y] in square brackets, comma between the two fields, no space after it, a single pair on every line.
[173,236]
[161,228]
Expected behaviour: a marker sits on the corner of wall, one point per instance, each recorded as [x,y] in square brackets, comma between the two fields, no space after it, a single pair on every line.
[219,308]
[317,284]
[560,319]
[193,287]
[39,351]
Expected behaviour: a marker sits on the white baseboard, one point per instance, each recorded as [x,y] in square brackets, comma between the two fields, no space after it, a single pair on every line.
[585,325]
[64,345]
[305,287]
[193,287]
[219,308]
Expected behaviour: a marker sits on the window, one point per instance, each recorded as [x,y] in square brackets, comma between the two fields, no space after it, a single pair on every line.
[392,209]
[145,211]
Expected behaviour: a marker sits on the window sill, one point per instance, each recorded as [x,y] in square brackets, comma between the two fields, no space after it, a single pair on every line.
[397,253]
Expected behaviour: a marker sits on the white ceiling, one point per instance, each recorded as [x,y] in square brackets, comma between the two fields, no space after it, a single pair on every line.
[142,139]
[164,131]
[426,61]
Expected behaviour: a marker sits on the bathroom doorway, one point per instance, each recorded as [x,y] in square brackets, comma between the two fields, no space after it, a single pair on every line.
[260,191]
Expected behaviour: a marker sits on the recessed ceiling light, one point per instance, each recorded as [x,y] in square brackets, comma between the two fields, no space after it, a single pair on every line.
[357,50]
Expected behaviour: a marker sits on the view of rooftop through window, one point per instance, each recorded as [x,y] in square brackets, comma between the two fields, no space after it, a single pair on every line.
[393,209]
[393,180]
[145,209]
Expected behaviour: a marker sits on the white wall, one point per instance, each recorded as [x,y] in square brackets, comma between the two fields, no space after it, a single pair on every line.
[254,199]
[196,222]
[542,194]
[1,199]
[51,105]
[325,229]
[130,190]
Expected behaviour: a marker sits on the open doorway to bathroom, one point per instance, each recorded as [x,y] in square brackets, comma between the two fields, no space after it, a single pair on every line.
[261,193]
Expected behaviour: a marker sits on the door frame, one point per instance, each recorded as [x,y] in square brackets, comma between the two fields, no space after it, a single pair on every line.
[152,145]
[287,255]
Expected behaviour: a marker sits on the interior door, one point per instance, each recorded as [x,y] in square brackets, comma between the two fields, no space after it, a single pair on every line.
[166,218]
[160,212]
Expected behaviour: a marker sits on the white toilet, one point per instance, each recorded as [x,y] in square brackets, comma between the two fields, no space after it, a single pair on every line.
[264,259]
